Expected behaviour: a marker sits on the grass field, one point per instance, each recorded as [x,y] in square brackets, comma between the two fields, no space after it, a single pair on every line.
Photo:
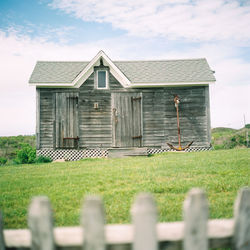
[228,138]
[168,176]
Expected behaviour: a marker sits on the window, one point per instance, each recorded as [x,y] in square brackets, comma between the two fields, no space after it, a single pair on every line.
[102,79]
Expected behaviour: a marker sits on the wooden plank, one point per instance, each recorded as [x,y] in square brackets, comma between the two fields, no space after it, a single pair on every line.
[119,121]
[76,124]
[54,134]
[126,122]
[54,120]
[40,221]
[144,218]
[207,103]
[63,118]
[121,132]
[137,122]
[142,117]
[220,233]
[241,239]
[66,119]
[46,118]
[37,118]
[93,220]
[57,118]
[2,241]
[195,215]
[128,131]
[125,152]
[113,119]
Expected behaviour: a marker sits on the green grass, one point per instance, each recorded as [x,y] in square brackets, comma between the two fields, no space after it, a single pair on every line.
[221,131]
[168,176]
[228,138]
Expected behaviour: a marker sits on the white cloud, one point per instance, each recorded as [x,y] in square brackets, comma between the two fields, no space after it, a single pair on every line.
[197,20]
[229,105]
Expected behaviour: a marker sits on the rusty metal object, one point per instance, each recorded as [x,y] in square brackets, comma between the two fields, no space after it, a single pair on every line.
[115,115]
[180,148]
[71,138]
[71,142]
[137,137]
[136,98]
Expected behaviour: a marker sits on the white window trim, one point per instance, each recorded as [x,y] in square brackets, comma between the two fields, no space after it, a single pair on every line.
[107,79]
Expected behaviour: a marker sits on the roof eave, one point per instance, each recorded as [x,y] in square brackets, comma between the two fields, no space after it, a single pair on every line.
[132,85]
[172,84]
[52,85]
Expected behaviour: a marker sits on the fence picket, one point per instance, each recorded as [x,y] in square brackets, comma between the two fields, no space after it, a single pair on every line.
[93,221]
[144,234]
[195,216]
[2,243]
[144,217]
[40,221]
[241,240]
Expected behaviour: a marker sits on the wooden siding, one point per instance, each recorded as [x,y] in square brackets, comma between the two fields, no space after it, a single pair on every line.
[158,115]
[46,119]
[38,119]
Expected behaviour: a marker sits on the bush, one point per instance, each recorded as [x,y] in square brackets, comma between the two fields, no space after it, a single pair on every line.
[43,159]
[26,154]
[3,160]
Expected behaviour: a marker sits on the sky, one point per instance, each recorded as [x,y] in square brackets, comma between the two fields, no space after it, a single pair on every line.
[76,30]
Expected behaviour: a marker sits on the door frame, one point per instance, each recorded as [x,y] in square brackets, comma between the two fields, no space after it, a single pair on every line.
[62,117]
[114,116]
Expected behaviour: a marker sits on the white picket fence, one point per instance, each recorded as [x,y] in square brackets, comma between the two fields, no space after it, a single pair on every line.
[196,232]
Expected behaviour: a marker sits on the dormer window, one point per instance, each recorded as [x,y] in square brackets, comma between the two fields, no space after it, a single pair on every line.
[102,79]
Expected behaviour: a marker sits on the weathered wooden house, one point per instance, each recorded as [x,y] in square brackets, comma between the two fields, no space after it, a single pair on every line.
[87,108]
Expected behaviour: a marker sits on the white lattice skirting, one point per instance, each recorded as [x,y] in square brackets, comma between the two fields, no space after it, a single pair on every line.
[74,155]
[191,149]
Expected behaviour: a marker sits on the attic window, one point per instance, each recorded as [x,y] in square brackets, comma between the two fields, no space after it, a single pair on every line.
[102,79]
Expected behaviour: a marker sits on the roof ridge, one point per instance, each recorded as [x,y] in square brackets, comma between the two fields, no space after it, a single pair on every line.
[64,61]
[161,60]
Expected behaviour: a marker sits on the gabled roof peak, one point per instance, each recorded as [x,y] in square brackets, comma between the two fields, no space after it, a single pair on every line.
[88,70]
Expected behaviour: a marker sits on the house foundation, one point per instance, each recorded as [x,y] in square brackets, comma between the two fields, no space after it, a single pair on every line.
[75,154]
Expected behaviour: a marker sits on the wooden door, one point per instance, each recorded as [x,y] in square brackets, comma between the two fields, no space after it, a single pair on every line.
[127,119]
[67,130]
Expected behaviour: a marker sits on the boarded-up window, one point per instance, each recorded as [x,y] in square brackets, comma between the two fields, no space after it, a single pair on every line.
[66,120]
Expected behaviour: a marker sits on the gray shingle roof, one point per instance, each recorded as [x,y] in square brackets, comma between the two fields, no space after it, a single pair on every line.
[56,72]
[168,71]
